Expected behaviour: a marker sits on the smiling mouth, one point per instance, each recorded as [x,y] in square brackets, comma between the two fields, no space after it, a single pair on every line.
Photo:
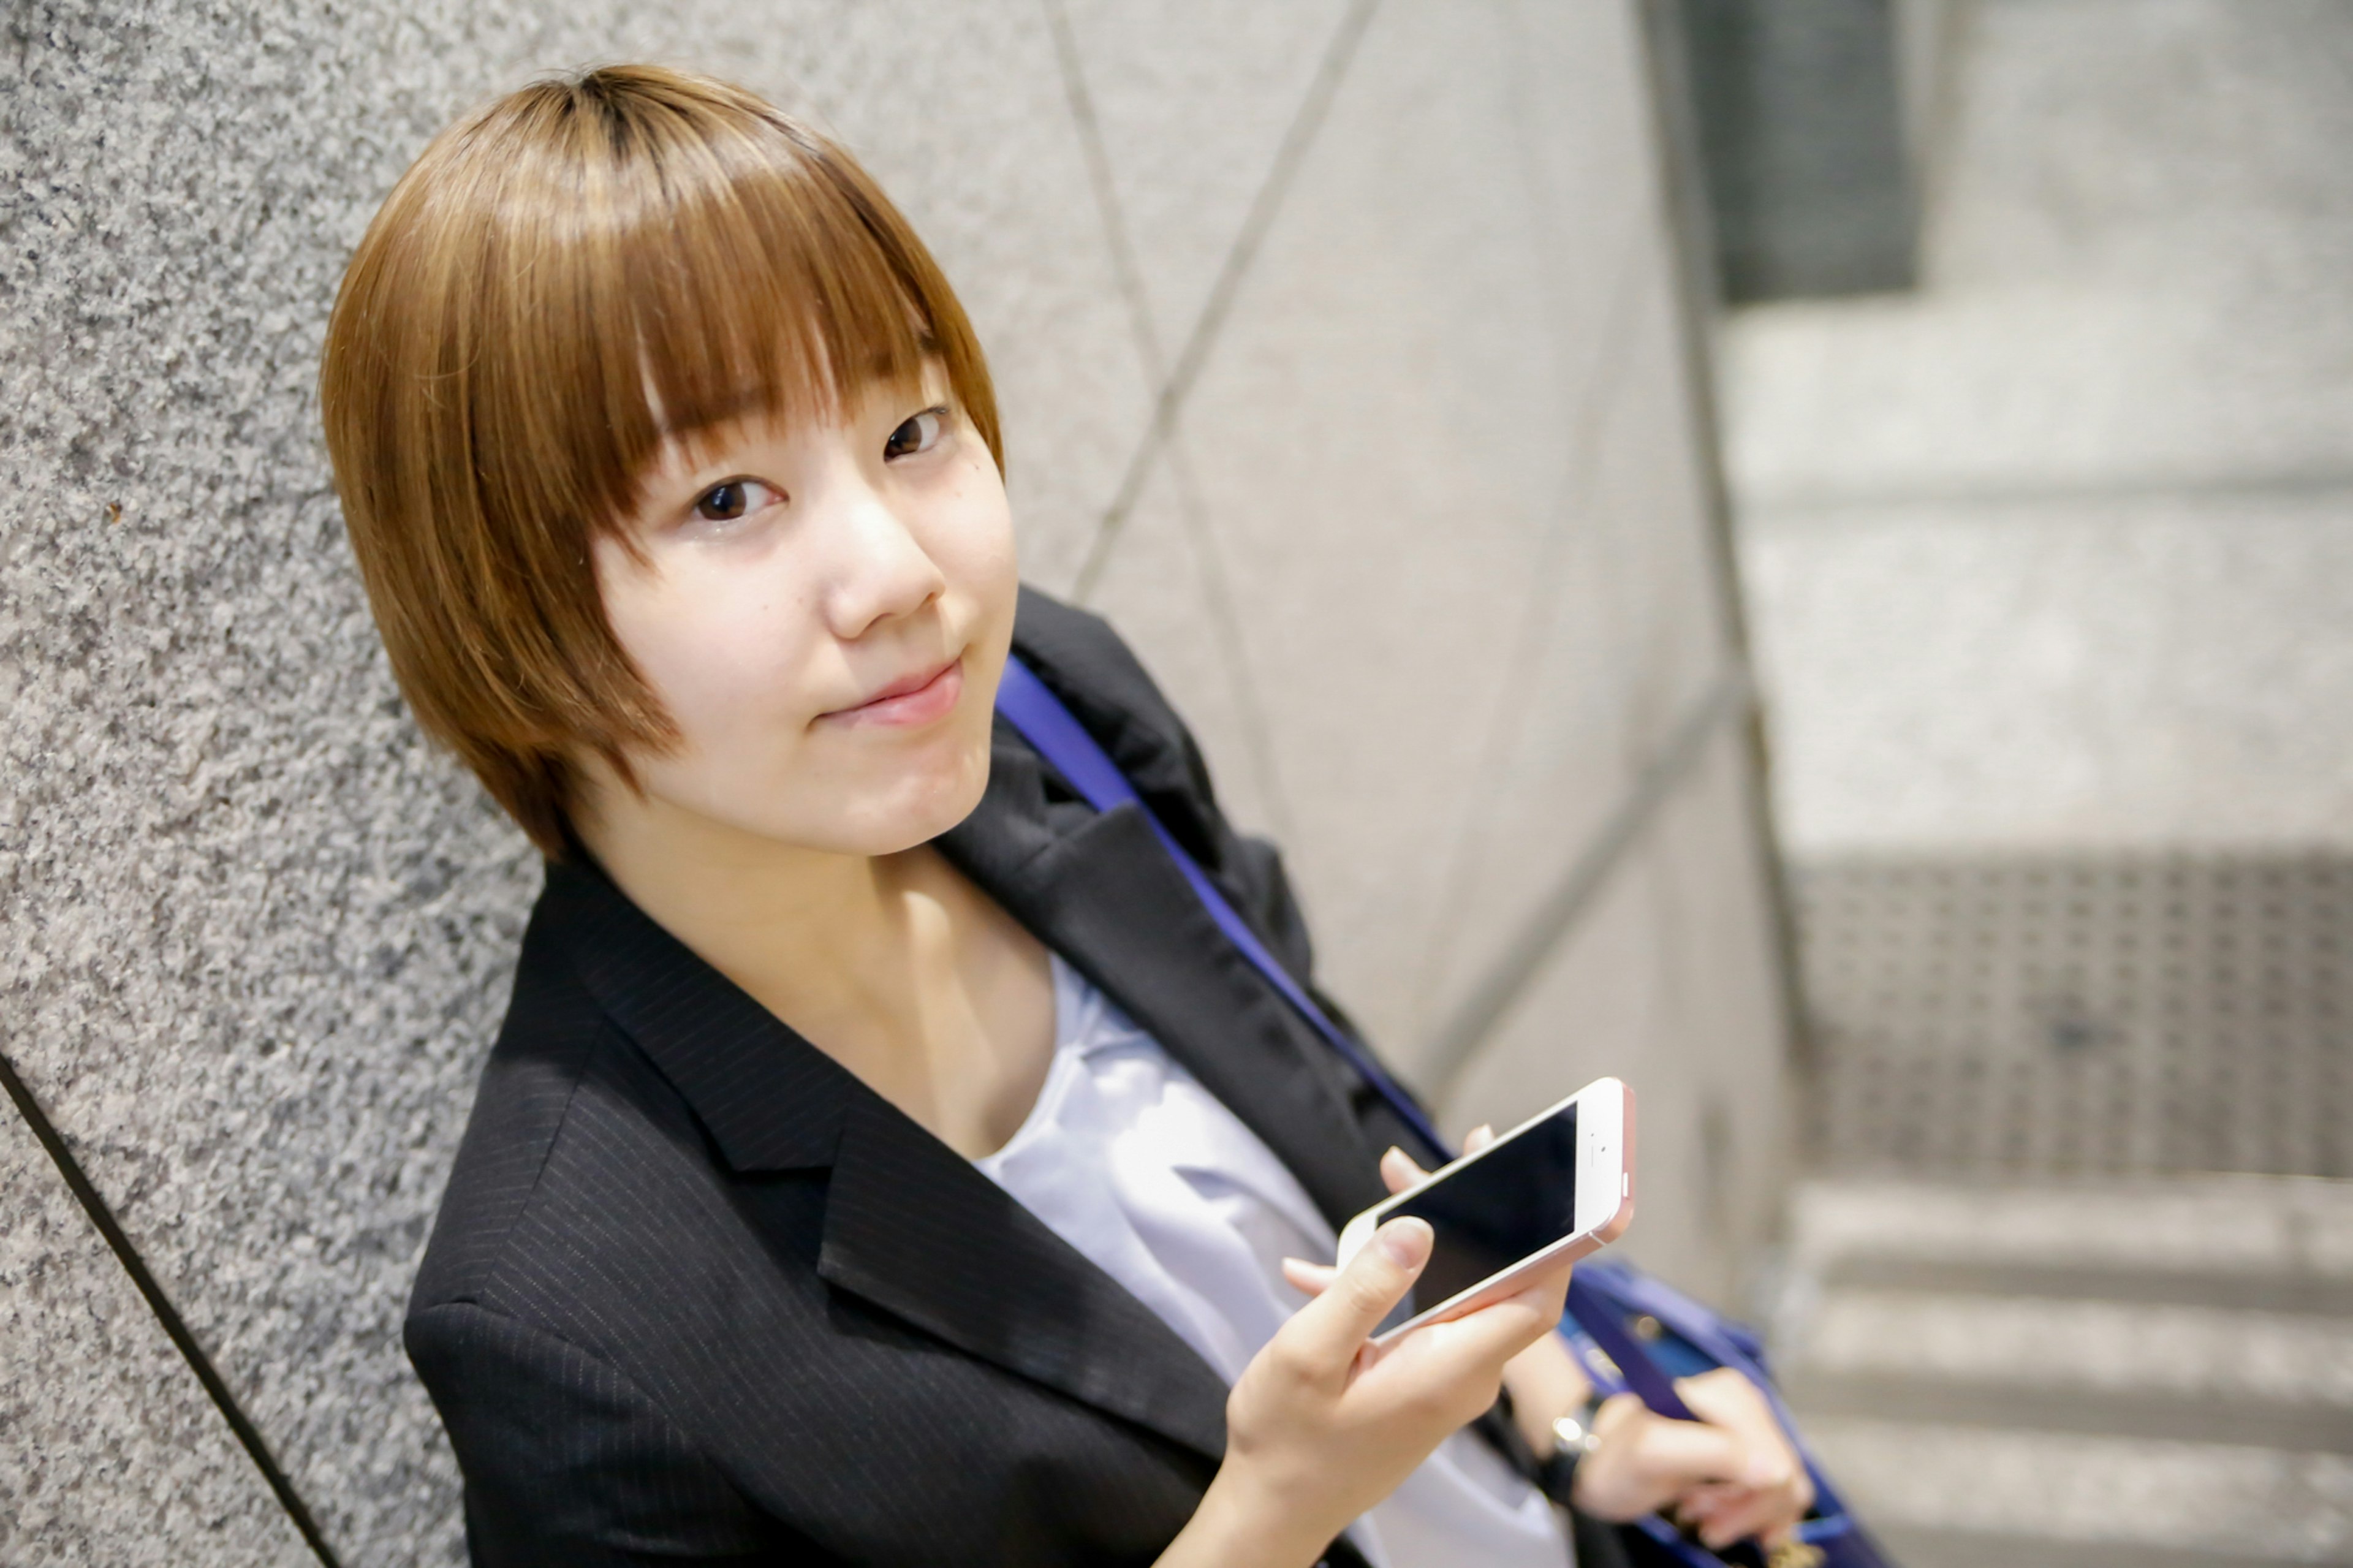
[919,698]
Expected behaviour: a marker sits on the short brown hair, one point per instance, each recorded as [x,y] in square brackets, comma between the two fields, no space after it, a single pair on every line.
[551,271]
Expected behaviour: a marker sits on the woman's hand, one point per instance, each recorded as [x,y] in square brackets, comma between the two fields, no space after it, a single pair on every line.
[1731,1475]
[1323,1425]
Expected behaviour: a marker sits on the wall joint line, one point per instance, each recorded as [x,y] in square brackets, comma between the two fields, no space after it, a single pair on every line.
[1288,157]
[175,1328]
[1458,1039]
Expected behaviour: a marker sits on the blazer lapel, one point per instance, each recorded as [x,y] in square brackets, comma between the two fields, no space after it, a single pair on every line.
[912,1229]
[910,1225]
[1100,889]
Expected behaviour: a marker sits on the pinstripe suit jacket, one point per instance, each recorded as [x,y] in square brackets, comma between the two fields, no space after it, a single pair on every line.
[697,1294]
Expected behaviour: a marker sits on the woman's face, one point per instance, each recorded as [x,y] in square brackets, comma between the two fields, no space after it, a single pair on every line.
[824,611]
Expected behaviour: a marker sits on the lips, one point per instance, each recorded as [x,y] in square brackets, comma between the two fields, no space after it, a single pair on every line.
[915,699]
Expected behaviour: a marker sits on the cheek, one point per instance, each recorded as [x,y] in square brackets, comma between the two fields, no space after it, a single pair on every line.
[714,645]
[973,540]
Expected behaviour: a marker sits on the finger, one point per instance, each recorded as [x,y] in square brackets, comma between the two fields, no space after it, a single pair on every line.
[1398,1170]
[1308,1278]
[1547,1291]
[1329,1331]
[1401,1170]
[1681,1456]
[1724,1398]
[1711,1498]
[1749,1514]
[1496,1332]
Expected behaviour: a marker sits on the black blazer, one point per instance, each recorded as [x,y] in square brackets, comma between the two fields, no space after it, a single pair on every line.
[697,1294]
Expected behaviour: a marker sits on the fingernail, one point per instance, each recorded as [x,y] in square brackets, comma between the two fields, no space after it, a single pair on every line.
[1406,1241]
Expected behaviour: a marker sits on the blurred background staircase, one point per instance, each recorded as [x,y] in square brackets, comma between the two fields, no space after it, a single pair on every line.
[2037,386]
[2156,1373]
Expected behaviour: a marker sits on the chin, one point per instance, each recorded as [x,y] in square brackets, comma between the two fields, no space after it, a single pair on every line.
[916,810]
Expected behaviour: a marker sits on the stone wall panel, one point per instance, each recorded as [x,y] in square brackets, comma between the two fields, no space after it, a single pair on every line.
[255,935]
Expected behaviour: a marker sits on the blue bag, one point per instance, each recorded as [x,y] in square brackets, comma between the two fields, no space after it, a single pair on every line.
[1633,1334]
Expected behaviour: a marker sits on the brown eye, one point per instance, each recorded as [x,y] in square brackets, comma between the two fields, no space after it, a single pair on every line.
[731,501]
[721,503]
[919,434]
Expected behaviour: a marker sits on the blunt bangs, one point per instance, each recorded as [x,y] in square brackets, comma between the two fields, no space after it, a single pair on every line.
[562,282]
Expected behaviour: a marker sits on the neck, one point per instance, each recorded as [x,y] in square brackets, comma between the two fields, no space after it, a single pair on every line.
[741,900]
[892,965]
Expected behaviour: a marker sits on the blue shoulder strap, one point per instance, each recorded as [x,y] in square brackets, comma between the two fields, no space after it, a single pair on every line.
[1601,1295]
[1034,710]
[1047,724]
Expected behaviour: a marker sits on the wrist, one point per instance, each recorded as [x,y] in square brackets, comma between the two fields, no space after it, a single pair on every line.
[1242,1522]
[1574,1439]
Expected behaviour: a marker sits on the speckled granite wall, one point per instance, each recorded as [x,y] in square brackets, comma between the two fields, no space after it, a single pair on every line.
[1424,551]
[115,1458]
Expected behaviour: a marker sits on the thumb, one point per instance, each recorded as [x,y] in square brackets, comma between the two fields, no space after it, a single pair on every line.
[1331,1328]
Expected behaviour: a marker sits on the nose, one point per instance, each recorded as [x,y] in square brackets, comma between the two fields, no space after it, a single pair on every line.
[881,571]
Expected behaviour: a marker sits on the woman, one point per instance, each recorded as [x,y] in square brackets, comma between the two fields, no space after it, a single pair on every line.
[883,1160]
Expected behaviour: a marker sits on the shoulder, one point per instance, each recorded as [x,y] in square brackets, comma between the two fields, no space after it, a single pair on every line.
[1099,676]
[551,1032]
[1091,667]
[577,1146]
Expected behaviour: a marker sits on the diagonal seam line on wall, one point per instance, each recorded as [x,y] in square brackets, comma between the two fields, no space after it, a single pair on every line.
[1124,267]
[1729,696]
[1129,274]
[1288,157]
[1681,192]
[1466,842]
[175,1328]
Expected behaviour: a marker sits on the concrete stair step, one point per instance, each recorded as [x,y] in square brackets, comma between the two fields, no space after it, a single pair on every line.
[2159,1372]
[2291,1232]
[2083,1348]
[2079,1493]
[1981,1549]
[1921,1400]
[2255,1290]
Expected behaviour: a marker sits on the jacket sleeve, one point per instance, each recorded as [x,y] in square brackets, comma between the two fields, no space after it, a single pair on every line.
[567,1462]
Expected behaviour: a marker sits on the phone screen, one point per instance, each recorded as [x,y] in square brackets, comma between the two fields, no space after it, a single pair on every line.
[1518,1199]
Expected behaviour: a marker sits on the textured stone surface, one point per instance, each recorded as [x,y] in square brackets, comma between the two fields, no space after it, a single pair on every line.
[1603,654]
[2137,247]
[257,935]
[253,935]
[2083,1011]
[111,1456]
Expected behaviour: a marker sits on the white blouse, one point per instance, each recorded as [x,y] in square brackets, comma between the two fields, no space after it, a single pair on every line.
[1126,1157]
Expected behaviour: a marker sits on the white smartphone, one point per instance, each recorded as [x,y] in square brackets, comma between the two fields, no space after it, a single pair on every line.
[1558,1186]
